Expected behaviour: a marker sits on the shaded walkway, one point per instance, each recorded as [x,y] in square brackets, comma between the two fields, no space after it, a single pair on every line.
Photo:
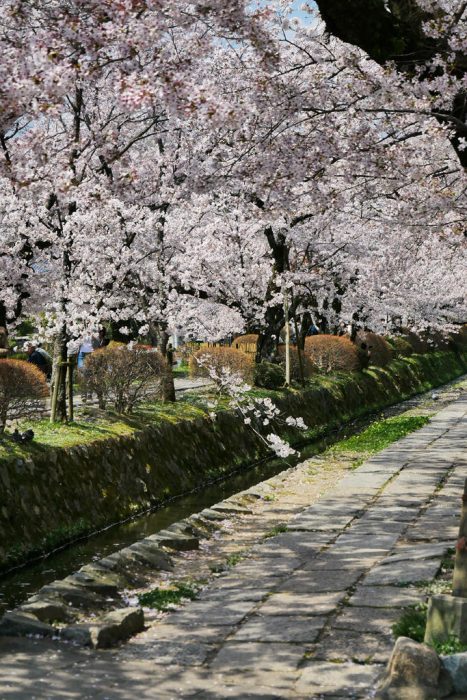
[307,614]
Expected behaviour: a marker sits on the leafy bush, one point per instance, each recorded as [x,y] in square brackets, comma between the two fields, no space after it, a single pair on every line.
[401,347]
[126,375]
[222,358]
[378,350]
[330,353]
[269,375]
[23,389]
[246,343]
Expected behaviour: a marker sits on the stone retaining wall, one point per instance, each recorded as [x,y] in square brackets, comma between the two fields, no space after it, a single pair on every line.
[58,493]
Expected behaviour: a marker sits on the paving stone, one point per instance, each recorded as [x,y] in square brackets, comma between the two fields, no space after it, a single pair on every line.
[74,595]
[403,572]
[279,683]
[108,630]
[100,584]
[253,655]
[228,507]
[210,514]
[414,553]
[322,581]
[149,555]
[301,604]
[322,523]
[390,514]
[378,527]
[386,596]
[174,540]
[234,595]
[167,653]
[341,560]
[212,613]
[364,619]
[174,631]
[233,581]
[363,543]
[22,624]
[47,611]
[337,679]
[304,545]
[255,568]
[360,647]
[287,628]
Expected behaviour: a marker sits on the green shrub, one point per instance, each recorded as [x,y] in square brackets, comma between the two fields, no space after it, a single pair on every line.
[400,346]
[269,375]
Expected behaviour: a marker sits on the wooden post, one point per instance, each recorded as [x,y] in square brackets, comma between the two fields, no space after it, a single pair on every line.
[459,580]
[55,390]
[287,338]
[69,386]
[299,352]
[447,614]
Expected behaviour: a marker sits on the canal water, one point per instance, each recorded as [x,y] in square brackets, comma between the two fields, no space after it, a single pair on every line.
[22,582]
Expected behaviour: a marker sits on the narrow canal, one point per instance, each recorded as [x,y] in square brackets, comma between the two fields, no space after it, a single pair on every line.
[21,583]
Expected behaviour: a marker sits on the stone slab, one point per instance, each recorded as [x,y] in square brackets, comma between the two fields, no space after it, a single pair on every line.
[254,655]
[367,619]
[287,628]
[344,645]
[168,653]
[386,596]
[324,679]
[321,581]
[213,612]
[301,604]
[403,572]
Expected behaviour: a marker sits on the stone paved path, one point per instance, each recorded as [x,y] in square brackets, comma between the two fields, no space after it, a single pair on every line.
[307,614]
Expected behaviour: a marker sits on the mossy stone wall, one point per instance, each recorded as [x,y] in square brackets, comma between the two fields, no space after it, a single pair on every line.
[63,492]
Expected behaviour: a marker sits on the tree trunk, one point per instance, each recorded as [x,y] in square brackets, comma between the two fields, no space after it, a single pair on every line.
[120,337]
[168,385]
[59,394]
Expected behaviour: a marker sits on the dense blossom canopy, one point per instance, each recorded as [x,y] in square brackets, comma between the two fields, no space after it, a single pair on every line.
[193,164]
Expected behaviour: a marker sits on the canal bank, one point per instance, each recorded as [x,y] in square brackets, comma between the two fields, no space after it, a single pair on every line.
[53,495]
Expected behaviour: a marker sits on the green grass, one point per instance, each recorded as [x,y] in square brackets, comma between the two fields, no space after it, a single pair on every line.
[164,598]
[232,560]
[378,436]
[452,646]
[412,623]
[276,530]
[92,425]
